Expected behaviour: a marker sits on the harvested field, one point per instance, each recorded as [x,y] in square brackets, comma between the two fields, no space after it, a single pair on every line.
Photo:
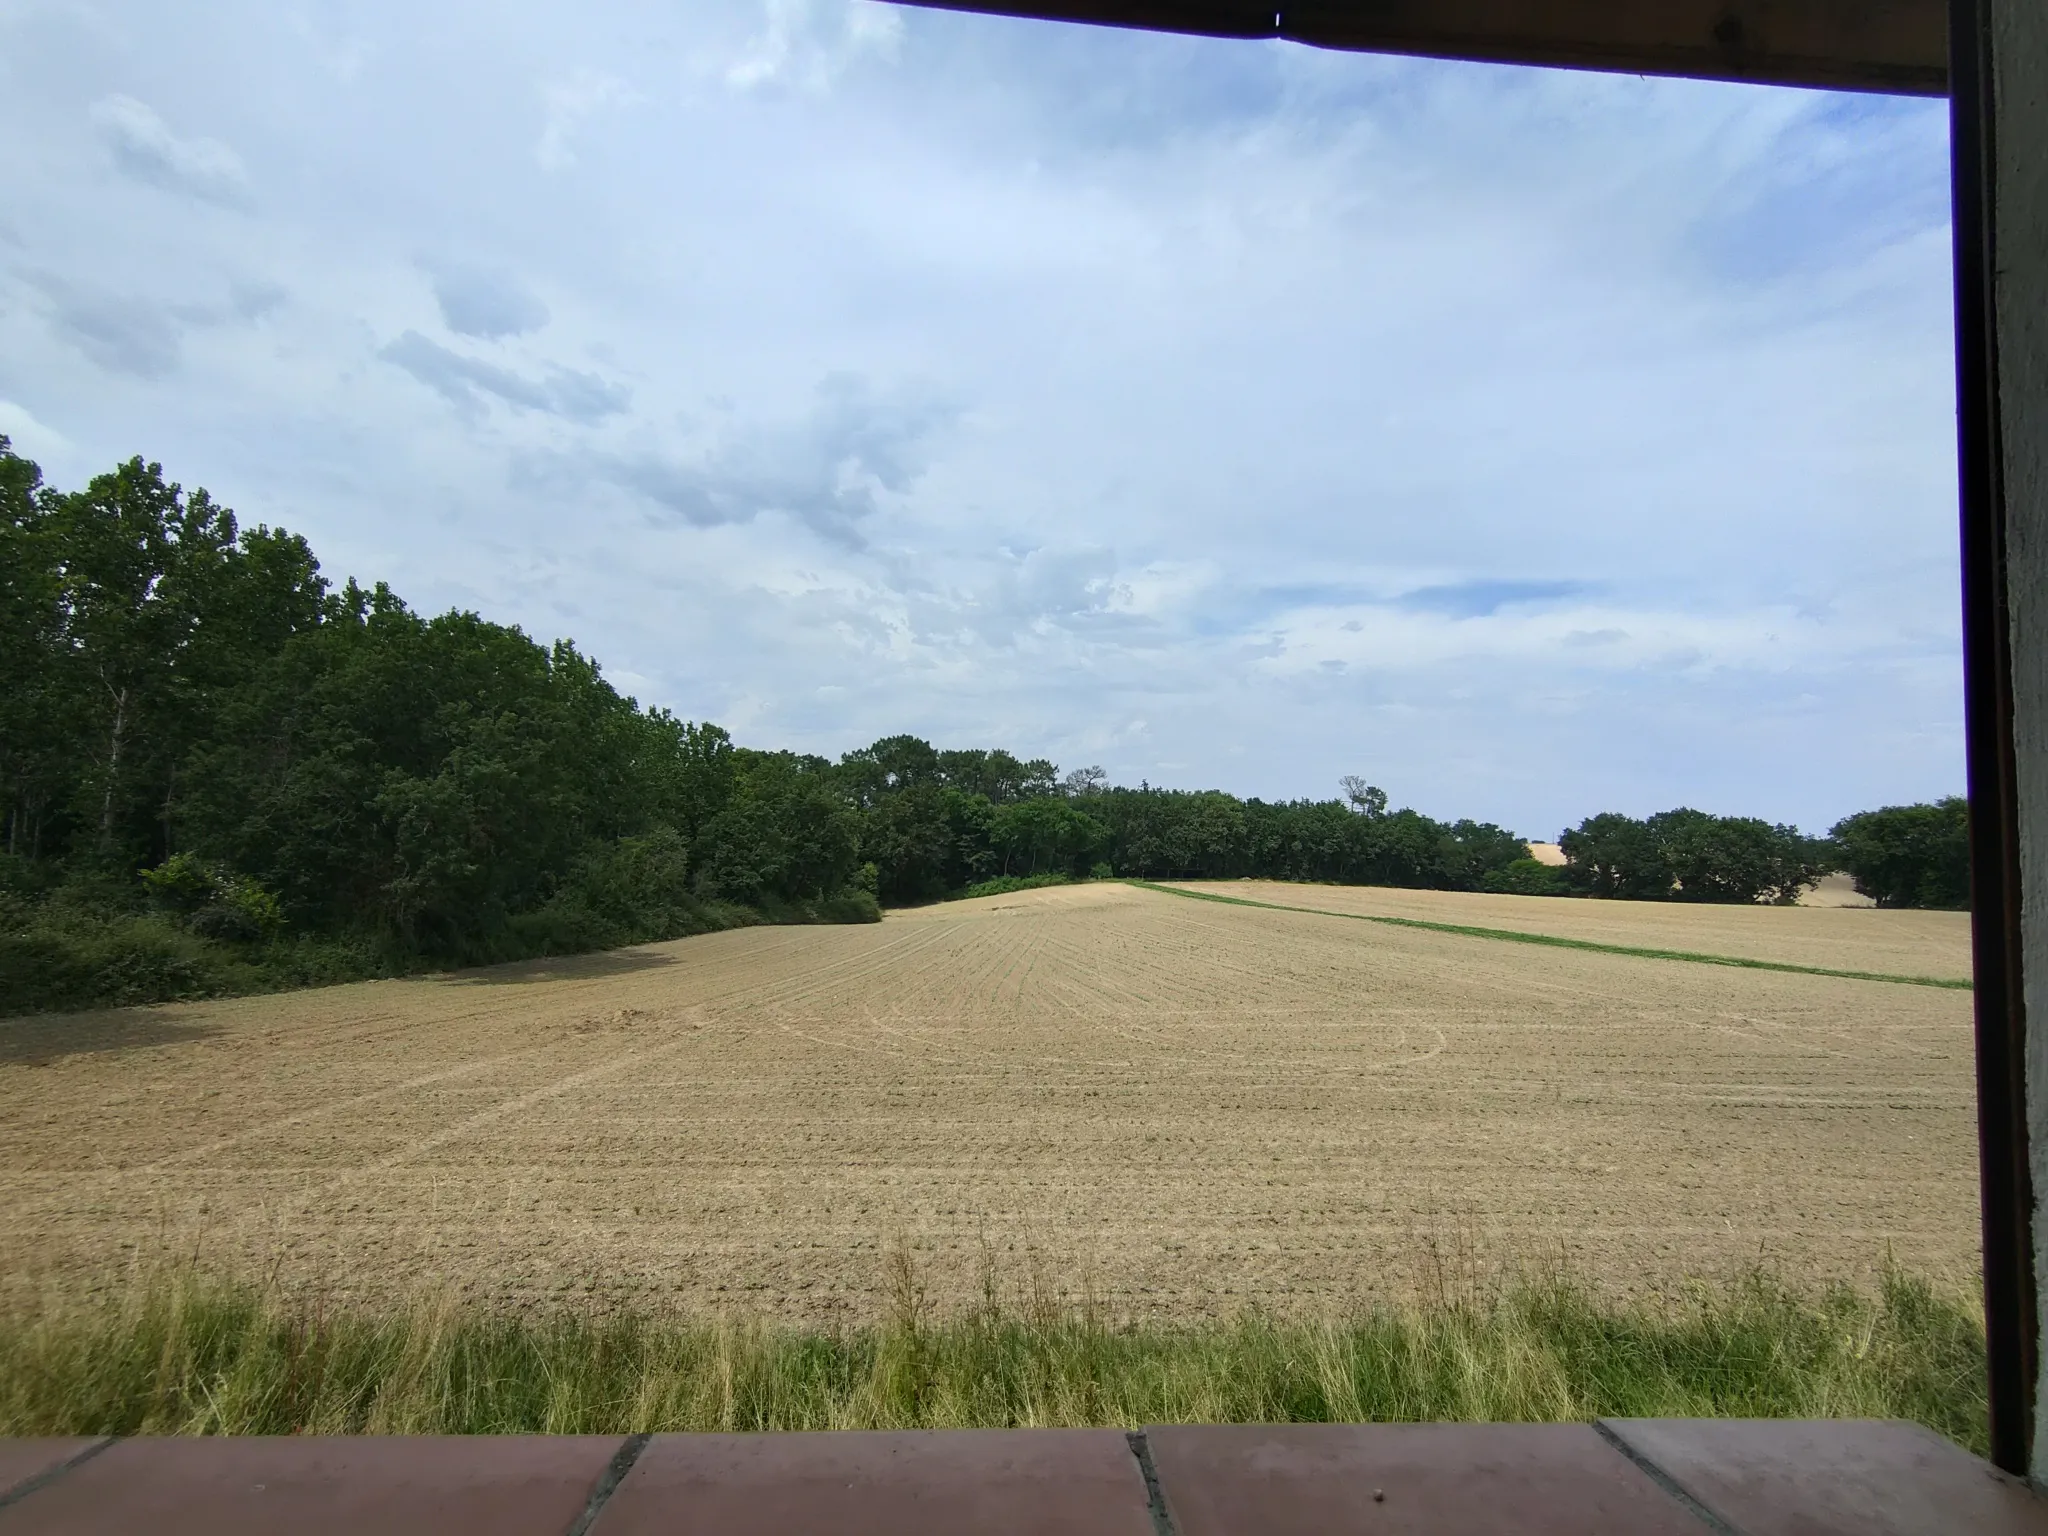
[1185,1105]
[1836,937]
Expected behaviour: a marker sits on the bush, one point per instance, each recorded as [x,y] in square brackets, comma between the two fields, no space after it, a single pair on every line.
[302,960]
[121,961]
[214,901]
[563,927]
[849,906]
[1528,877]
[1003,885]
[68,953]
[631,891]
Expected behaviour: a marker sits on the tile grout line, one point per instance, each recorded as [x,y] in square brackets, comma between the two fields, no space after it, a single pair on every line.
[1664,1480]
[608,1483]
[49,1475]
[1155,1496]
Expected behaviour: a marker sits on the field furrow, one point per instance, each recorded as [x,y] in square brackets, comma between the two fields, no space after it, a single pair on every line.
[1182,1107]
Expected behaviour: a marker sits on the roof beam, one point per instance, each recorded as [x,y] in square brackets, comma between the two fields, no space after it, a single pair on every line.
[1860,45]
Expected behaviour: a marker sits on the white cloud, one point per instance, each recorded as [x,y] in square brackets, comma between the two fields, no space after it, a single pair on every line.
[810,43]
[1533,441]
[566,105]
[31,438]
[830,469]
[144,148]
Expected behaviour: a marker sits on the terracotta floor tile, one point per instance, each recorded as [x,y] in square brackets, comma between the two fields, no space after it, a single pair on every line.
[22,1460]
[389,1485]
[1407,1480]
[1034,1482]
[1837,1477]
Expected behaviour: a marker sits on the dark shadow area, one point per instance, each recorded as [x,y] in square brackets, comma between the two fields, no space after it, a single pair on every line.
[612,962]
[41,1039]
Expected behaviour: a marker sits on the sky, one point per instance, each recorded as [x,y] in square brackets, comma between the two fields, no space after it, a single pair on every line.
[1227,414]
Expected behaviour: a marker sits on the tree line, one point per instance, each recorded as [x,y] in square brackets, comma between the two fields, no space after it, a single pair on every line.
[221,772]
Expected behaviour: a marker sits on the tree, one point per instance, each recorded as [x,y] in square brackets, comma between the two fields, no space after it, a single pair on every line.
[1737,858]
[1909,855]
[892,764]
[789,834]
[908,838]
[1689,855]
[1469,852]
[1046,836]
[34,677]
[1366,799]
[1617,856]
[1084,781]
[131,611]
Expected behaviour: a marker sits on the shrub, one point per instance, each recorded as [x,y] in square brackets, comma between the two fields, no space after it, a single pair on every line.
[630,891]
[214,901]
[124,960]
[1003,885]
[1527,877]
[849,906]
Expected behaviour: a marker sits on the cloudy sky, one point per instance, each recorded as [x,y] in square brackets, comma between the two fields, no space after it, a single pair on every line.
[1226,414]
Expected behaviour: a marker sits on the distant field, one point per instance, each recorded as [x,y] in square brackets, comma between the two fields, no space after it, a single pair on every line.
[1838,938]
[1184,1105]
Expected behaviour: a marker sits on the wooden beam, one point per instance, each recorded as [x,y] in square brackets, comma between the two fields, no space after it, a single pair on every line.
[1861,45]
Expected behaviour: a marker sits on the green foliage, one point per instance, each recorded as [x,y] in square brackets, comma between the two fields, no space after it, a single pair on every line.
[1688,855]
[787,832]
[1173,834]
[852,905]
[112,961]
[1909,855]
[190,701]
[314,783]
[192,1357]
[213,900]
[1527,877]
[1004,885]
[1045,836]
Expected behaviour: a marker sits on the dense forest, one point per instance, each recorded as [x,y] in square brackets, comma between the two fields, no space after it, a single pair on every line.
[220,773]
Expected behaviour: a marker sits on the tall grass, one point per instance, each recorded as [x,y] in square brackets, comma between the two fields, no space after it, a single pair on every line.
[192,1356]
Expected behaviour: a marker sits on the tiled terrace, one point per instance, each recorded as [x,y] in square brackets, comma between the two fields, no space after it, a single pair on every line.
[1644,1477]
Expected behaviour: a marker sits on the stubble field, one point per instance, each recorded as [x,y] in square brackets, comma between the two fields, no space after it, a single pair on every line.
[1183,1107]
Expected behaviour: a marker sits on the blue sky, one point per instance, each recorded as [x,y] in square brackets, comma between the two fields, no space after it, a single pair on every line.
[1234,414]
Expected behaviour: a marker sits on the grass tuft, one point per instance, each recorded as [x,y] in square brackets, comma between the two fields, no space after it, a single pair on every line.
[1515,936]
[189,1355]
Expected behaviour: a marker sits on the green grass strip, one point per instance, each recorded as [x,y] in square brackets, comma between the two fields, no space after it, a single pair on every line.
[1512,936]
[193,1356]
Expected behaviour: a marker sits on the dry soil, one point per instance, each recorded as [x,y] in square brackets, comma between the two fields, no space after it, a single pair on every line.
[1181,1106]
